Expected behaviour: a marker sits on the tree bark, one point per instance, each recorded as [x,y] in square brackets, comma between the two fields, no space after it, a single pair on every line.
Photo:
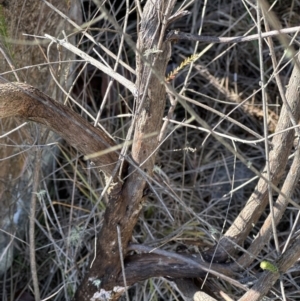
[282,144]
[126,199]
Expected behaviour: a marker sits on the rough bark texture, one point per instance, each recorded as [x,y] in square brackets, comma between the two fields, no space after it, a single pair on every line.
[126,200]
[265,233]
[282,144]
[140,267]
[22,100]
[104,280]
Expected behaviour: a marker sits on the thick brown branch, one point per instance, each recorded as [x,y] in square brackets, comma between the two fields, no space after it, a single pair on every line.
[126,202]
[25,101]
[162,263]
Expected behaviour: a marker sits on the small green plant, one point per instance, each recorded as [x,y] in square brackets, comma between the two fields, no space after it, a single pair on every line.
[266,265]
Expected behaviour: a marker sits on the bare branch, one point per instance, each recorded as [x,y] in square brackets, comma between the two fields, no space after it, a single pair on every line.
[25,101]
[126,200]
[282,144]
[177,35]
[265,232]
[118,77]
[268,279]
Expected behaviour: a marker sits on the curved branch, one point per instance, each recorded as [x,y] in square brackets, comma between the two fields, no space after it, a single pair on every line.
[25,101]
[161,263]
[265,232]
[258,201]
[267,279]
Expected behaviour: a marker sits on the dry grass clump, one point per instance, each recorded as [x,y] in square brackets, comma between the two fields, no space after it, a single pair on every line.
[200,187]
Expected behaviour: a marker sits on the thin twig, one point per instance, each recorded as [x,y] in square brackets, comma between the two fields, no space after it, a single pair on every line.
[177,35]
[265,124]
[36,177]
[86,34]
[8,59]
[116,65]
[121,79]
[122,261]
[282,143]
